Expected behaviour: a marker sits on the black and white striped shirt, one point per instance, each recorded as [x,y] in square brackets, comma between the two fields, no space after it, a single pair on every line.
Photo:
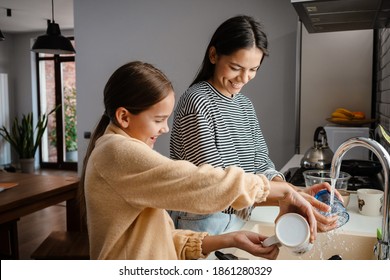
[212,128]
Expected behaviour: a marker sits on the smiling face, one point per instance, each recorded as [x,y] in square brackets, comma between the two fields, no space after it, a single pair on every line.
[149,124]
[233,71]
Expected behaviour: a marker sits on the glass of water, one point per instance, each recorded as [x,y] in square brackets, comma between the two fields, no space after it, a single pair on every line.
[336,209]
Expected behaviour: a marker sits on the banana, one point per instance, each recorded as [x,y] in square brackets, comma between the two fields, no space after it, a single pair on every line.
[346,112]
[339,115]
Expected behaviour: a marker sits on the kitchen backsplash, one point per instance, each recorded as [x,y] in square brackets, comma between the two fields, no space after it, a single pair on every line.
[382,74]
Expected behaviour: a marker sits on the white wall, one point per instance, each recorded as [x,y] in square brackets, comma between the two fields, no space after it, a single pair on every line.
[173,35]
[7,66]
[336,72]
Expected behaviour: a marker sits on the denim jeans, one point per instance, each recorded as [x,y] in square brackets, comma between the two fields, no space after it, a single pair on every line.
[214,224]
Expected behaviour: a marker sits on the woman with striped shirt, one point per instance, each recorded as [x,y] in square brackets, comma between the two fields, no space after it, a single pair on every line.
[215,123]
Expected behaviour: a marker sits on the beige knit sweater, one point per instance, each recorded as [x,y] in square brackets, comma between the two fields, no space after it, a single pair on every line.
[128,186]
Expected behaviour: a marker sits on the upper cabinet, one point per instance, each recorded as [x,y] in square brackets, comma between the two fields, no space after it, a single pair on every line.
[342,15]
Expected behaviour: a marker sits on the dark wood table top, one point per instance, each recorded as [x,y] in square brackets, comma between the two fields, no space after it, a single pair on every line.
[33,192]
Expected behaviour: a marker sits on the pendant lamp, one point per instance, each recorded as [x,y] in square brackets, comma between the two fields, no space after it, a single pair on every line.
[53,42]
[9,13]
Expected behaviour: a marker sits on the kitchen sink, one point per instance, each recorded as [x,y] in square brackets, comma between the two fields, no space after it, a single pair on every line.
[348,245]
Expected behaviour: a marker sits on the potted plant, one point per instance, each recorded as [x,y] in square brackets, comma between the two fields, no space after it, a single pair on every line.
[25,139]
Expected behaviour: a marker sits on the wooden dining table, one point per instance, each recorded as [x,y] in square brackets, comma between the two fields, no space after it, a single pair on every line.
[31,193]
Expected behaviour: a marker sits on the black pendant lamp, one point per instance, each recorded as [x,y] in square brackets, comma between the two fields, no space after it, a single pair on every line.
[2,37]
[53,42]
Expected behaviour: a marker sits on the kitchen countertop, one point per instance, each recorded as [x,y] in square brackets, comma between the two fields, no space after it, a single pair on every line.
[357,224]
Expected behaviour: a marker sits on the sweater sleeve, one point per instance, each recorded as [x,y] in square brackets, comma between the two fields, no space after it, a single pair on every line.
[145,178]
[188,244]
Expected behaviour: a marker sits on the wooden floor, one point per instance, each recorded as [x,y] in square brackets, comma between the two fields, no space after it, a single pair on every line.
[34,228]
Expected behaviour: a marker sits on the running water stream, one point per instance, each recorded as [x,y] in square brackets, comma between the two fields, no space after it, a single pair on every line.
[333,187]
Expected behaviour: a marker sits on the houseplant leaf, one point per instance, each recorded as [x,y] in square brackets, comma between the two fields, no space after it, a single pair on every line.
[23,137]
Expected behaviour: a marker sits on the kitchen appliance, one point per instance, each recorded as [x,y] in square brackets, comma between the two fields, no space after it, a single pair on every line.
[320,155]
[336,135]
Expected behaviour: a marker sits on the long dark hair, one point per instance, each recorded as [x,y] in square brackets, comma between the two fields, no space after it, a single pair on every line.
[240,32]
[135,86]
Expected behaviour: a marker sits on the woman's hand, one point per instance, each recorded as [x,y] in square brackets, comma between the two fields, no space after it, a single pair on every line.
[289,200]
[324,223]
[248,241]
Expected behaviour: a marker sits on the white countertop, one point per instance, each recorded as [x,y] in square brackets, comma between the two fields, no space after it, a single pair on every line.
[357,224]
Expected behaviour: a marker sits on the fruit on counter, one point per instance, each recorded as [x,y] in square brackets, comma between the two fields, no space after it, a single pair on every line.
[359,115]
[345,114]
[339,119]
[338,115]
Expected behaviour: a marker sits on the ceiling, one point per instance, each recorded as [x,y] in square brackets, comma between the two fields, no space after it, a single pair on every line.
[32,15]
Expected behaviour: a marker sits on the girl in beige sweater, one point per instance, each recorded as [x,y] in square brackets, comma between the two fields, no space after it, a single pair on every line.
[127,185]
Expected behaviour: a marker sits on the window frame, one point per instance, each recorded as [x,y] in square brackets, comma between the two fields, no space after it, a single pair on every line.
[60,164]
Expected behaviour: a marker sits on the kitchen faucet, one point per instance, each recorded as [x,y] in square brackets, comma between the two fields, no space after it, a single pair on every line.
[382,248]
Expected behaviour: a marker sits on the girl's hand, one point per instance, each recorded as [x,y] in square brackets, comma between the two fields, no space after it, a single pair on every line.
[253,243]
[248,241]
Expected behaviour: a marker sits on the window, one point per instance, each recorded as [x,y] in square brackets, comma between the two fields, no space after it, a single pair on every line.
[56,76]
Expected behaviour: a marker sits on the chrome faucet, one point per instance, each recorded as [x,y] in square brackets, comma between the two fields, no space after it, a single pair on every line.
[382,248]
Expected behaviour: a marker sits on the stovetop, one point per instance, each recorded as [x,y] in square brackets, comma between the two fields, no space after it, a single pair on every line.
[294,176]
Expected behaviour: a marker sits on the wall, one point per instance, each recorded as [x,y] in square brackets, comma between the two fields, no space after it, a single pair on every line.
[6,65]
[173,35]
[16,61]
[336,72]
[382,71]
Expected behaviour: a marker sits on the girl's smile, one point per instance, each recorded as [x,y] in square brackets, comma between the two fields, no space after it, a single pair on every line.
[148,125]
